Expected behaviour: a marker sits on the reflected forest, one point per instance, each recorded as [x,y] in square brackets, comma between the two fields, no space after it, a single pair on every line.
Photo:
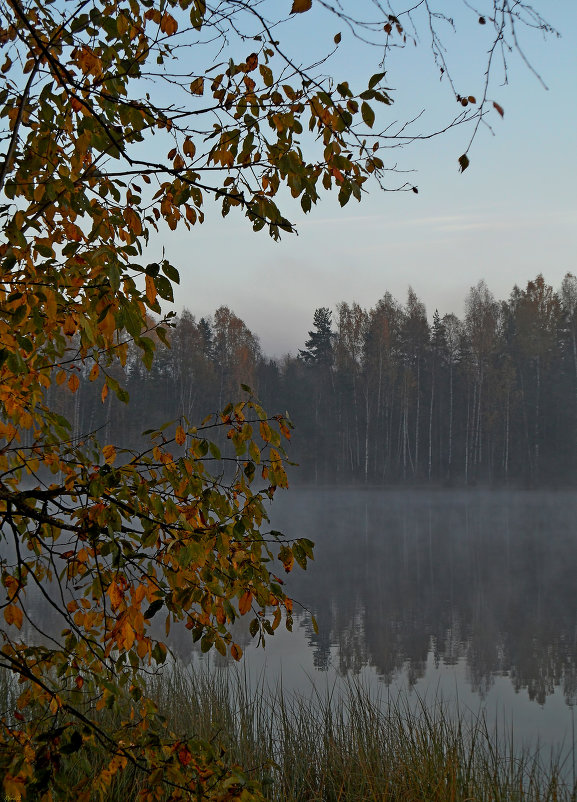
[382,395]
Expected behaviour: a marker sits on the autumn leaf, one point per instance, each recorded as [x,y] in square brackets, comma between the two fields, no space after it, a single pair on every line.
[150,289]
[180,436]
[168,24]
[132,221]
[299,6]
[499,109]
[184,755]
[115,595]
[73,383]
[251,62]
[245,602]
[189,148]
[126,635]
[109,454]
[13,615]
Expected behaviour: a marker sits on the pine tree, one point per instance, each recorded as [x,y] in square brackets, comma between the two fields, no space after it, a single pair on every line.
[318,348]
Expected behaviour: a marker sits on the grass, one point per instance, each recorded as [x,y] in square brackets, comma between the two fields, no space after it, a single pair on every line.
[349,746]
[353,746]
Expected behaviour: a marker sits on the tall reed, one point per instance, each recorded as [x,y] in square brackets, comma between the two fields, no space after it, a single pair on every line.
[349,744]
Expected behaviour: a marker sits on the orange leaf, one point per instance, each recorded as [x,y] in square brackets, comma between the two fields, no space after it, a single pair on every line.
[132,221]
[94,372]
[244,602]
[252,62]
[499,109]
[73,383]
[236,651]
[184,755]
[180,436]
[168,24]
[104,393]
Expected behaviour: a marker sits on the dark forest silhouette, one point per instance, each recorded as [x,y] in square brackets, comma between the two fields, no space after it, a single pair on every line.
[381,396]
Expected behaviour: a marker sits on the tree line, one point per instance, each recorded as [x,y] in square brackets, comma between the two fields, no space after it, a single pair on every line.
[381,395]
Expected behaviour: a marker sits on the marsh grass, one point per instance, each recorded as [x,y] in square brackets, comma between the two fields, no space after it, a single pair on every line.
[349,744]
[346,744]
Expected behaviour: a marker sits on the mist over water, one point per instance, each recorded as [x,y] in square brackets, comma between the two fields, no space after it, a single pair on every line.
[468,596]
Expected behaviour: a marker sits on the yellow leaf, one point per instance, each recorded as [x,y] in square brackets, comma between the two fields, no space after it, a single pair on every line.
[150,290]
[14,787]
[126,636]
[299,6]
[115,595]
[109,453]
[13,615]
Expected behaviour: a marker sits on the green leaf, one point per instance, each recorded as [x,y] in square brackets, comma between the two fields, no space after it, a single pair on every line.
[367,114]
[378,76]
[153,609]
[171,271]
[164,288]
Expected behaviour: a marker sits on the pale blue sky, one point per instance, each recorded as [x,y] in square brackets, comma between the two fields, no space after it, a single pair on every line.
[511,215]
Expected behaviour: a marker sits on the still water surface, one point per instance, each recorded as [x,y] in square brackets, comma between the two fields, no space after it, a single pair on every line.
[470,597]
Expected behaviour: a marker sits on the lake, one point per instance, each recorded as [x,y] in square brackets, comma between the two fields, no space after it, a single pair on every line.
[469,597]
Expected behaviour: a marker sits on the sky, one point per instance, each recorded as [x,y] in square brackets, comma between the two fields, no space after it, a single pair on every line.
[510,216]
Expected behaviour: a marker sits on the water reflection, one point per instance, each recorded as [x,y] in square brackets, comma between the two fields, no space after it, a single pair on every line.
[486,578]
[413,584]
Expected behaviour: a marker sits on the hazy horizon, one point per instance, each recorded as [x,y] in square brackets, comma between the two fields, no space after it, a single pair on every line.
[510,216]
